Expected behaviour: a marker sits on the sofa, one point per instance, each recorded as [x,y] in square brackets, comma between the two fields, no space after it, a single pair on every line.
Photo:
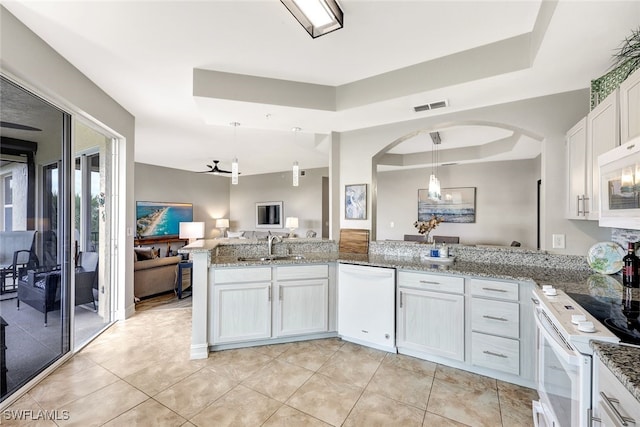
[152,274]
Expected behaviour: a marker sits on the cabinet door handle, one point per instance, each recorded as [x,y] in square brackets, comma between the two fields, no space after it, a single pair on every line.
[591,419]
[578,206]
[427,282]
[493,290]
[490,353]
[269,294]
[631,146]
[535,301]
[280,293]
[610,401]
[502,319]
[401,299]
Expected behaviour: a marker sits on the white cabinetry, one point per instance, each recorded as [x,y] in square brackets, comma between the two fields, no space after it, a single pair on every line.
[431,314]
[366,305]
[596,134]
[241,305]
[576,141]
[613,404]
[265,303]
[303,300]
[630,107]
[495,323]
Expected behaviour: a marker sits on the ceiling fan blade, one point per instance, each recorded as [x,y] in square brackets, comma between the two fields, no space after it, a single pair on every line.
[11,125]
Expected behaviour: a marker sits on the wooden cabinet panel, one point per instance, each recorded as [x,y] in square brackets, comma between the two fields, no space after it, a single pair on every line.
[303,307]
[495,317]
[431,282]
[494,289]
[242,312]
[630,107]
[502,354]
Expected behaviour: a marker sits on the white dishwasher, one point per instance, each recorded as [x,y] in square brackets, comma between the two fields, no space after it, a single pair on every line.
[366,306]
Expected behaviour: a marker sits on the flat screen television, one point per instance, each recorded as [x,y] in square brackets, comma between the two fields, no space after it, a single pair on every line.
[160,219]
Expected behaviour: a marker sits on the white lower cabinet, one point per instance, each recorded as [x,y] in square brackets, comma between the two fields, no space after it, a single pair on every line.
[303,307]
[262,303]
[613,404]
[242,312]
[428,321]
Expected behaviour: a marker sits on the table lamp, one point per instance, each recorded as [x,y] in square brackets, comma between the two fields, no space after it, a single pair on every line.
[192,231]
[291,223]
[222,224]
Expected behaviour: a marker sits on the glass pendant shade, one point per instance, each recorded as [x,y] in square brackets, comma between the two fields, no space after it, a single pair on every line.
[296,174]
[434,188]
[234,172]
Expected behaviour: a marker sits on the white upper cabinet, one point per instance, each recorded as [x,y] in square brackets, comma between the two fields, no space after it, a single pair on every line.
[596,134]
[576,146]
[603,134]
[630,107]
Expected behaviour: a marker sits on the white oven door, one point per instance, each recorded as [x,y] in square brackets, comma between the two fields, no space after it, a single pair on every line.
[564,377]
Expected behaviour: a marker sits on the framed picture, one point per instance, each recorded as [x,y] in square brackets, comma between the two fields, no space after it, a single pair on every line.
[456,205]
[269,215]
[355,201]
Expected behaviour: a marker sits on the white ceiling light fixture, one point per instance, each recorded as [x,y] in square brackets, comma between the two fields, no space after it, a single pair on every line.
[434,192]
[234,163]
[318,17]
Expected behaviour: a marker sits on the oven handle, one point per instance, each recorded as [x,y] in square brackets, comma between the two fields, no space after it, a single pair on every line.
[570,357]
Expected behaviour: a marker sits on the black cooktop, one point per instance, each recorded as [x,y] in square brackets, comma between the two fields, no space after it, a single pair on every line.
[619,312]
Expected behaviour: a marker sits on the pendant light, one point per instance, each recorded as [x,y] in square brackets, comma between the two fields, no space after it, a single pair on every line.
[234,163]
[434,192]
[296,169]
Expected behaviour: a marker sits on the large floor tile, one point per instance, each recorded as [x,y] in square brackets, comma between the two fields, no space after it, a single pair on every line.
[467,405]
[18,414]
[237,364]
[400,384]
[148,413]
[75,379]
[194,393]
[515,404]
[411,363]
[287,416]
[464,379]
[307,355]
[278,379]
[433,420]
[375,410]
[352,366]
[239,407]
[326,399]
[160,376]
[103,405]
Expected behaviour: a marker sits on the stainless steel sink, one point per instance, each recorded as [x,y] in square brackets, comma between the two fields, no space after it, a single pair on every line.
[272,258]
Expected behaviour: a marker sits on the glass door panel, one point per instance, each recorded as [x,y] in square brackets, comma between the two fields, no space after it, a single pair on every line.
[34,297]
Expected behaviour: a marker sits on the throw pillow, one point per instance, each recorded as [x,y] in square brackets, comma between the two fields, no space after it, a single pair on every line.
[144,253]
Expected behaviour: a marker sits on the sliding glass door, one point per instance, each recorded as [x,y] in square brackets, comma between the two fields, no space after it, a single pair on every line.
[36,269]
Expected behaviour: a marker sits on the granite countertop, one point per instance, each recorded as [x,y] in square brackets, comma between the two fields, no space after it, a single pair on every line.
[623,361]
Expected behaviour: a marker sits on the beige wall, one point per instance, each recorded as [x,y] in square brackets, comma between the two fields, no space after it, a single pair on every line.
[208,193]
[304,201]
[31,62]
[548,117]
[501,187]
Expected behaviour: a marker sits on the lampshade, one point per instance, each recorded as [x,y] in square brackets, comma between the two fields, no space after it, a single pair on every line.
[191,230]
[291,222]
[318,17]
[222,223]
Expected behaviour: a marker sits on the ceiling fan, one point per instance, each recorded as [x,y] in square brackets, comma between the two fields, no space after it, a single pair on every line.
[216,170]
[11,125]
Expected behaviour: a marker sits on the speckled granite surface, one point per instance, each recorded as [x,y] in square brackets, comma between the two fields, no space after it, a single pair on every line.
[623,361]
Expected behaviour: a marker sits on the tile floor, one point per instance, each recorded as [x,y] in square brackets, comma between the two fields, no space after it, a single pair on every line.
[138,373]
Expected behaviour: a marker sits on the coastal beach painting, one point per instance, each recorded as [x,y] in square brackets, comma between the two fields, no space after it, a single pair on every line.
[160,219]
[456,205]
[355,201]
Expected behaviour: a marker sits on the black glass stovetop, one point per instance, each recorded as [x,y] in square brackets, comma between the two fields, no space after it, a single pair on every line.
[620,313]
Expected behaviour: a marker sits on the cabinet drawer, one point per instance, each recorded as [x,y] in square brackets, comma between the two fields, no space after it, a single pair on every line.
[494,289]
[302,272]
[501,354]
[247,274]
[432,282]
[495,317]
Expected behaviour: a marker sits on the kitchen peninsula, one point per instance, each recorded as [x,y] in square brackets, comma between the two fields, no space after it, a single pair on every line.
[511,273]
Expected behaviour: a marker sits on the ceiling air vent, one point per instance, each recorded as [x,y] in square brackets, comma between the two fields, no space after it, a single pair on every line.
[431,106]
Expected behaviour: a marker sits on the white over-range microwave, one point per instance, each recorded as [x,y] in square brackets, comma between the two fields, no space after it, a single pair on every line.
[620,186]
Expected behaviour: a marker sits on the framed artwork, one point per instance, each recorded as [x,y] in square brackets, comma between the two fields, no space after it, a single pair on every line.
[456,205]
[355,201]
